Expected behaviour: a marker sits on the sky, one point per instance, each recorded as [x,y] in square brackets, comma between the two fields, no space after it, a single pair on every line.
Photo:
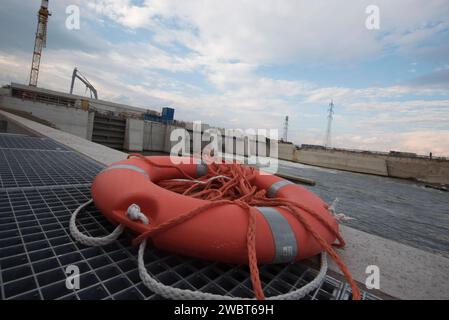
[250,63]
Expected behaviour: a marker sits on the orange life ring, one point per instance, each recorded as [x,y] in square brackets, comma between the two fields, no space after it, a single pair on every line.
[218,234]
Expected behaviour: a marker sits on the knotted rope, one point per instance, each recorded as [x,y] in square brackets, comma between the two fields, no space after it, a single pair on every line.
[231,183]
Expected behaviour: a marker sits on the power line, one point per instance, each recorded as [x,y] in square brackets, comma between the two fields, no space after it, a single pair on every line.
[285,134]
[330,116]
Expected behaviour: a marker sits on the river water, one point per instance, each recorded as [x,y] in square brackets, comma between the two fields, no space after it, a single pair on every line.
[396,209]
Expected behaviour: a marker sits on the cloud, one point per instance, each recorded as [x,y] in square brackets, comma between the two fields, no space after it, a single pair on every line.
[420,141]
[370,96]
[438,78]
[404,106]
[23,16]
[204,58]
[278,32]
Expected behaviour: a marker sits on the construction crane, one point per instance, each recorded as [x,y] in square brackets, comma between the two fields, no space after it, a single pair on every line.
[83,79]
[330,116]
[285,135]
[40,41]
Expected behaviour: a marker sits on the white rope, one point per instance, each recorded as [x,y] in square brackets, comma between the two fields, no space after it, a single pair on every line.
[134,213]
[168,292]
[333,205]
[186,294]
[92,241]
[338,216]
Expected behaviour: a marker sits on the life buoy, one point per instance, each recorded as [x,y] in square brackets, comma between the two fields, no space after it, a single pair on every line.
[219,233]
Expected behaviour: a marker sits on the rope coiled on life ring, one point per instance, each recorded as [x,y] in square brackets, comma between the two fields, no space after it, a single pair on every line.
[176,293]
[224,184]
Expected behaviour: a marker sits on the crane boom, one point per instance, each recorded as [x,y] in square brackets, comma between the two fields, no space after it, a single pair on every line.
[39,42]
[77,74]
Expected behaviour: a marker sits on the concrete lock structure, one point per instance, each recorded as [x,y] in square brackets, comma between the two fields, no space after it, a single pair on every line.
[115,125]
[124,127]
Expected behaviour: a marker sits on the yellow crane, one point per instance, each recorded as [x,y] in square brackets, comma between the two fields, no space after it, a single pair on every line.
[40,41]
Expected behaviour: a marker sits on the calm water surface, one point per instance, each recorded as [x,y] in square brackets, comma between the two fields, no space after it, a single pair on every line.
[396,209]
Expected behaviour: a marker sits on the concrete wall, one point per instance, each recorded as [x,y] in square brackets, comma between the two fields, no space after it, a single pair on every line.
[286,151]
[12,127]
[134,135]
[154,136]
[432,171]
[115,108]
[71,120]
[100,105]
[238,146]
[349,161]
[296,155]
[168,144]
[5,91]
[90,125]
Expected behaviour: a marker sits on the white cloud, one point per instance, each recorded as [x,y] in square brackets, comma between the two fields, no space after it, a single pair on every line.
[370,97]
[230,41]
[419,141]
[272,31]
[409,105]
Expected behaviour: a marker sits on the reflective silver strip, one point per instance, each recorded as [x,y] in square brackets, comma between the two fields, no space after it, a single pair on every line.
[274,188]
[126,166]
[283,236]
[201,168]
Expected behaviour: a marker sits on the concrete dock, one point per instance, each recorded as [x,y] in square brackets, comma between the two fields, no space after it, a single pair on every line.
[405,272]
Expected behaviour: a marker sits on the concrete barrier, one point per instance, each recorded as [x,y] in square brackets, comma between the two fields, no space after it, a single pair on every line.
[133,135]
[431,171]
[422,169]
[154,136]
[93,150]
[344,161]
[286,151]
[68,119]
[169,144]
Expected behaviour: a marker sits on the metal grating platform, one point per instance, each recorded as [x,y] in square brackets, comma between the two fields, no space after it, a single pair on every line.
[36,247]
[18,141]
[26,168]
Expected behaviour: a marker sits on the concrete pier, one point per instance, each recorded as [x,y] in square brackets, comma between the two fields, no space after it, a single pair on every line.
[393,165]
[405,272]
[344,161]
